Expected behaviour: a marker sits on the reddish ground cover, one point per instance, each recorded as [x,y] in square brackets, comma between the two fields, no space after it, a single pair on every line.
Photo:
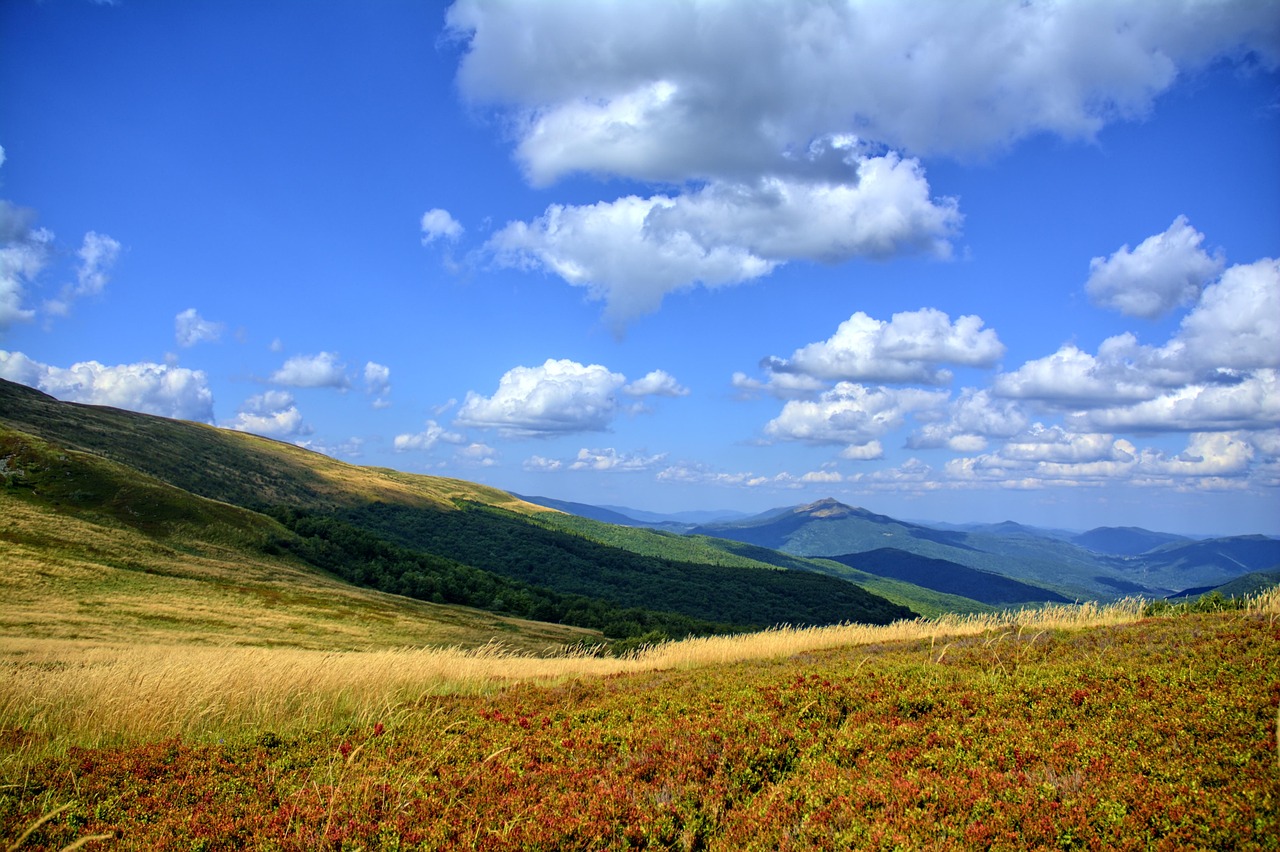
[1157,735]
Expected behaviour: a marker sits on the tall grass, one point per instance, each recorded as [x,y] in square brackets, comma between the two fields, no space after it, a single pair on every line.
[58,693]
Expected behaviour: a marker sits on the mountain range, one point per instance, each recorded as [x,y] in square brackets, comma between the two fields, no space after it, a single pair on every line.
[98,491]
[185,495]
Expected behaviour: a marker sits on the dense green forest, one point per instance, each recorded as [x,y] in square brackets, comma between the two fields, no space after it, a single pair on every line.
[508,544]
[363,558]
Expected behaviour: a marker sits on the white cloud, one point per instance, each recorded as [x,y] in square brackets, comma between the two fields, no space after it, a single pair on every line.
[1236,324]
[783,385]
[273,414]
[189,328]
[908,348]
[1249,403]
[1211,454]
[631,252]
[850,414]
[322,370]
[609,459]
[671,91]
[437,223]
[427,438]
[377,381]
[607,248]
[24,253]
[160,389]
[1055,457]
[794,128]
[870,451]
[656,383]
[971,419]
[1043,443]
[1164,272]
[1217,372]
[477,455]
[98,254]
[558,397]
[541,464]
[701,474]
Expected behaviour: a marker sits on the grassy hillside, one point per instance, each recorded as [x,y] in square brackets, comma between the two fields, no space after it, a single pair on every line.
[948,577]
[446,540]
[95,552]
[727,552]
[1124,541]
[233,467]
[1098,732]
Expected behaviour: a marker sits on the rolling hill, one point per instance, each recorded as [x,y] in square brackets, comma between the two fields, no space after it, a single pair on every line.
[949,577]
[439,539]
[97,552]
[1060,567]
[1124,541]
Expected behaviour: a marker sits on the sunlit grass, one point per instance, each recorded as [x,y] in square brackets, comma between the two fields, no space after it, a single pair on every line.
[65,692]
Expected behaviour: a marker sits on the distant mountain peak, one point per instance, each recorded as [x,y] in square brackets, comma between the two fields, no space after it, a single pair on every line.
[829,507]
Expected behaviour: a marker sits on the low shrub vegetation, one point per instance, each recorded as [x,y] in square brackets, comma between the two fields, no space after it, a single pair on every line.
[1071,727]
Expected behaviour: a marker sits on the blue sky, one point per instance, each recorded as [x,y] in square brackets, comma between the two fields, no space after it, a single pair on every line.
[961,262]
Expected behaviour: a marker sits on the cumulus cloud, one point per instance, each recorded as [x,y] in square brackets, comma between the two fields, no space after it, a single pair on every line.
[908,348]
[795,128]
[670,91]
[656,383]
[273,414]
[477,455]
[437,224]
[98,254]
[971,419]
[24,252]
[542,464]
[168,391]
[631,252]
[870,451]
[784,384]
[322,370]
[1216,372]
[1164,272]
[1236,323]
[851,414]
[1042,443]
[427,438]
[189,328]
[609,459]
[694,473]
[559,397]
[1052,456]
[1250,403]
[377,381]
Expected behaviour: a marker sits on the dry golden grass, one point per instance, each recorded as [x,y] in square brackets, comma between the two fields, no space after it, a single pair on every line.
[81,580]
[62,692]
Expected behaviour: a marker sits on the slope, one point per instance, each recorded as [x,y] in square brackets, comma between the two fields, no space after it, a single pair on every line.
[948,577]
[722,551]
[1124,541]
[96,552]
[448,520]
[829,529]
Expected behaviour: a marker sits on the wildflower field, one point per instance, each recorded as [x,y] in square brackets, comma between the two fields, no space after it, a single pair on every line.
[1117,731]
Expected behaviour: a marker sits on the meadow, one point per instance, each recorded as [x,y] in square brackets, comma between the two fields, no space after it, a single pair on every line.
[1092,727]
